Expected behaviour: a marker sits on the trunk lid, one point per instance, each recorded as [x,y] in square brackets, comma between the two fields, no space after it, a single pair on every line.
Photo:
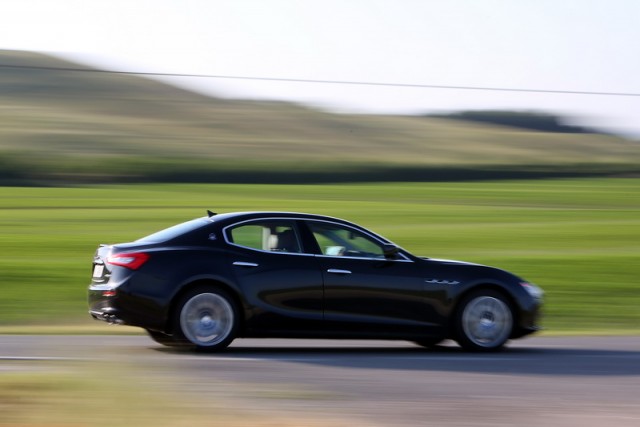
[99,271]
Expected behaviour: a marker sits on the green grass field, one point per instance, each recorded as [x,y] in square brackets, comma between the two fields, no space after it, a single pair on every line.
[578,239]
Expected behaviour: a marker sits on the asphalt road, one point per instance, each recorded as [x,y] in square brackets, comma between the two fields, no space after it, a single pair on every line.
[576,381]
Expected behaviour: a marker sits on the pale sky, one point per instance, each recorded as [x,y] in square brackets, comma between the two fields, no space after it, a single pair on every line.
[565,45]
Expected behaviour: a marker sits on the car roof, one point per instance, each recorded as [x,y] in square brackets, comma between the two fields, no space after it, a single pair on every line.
[230,217]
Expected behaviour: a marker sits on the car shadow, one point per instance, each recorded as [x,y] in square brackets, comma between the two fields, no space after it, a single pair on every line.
[523,360]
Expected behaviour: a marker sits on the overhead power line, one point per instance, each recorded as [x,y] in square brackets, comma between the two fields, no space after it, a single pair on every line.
[318,81]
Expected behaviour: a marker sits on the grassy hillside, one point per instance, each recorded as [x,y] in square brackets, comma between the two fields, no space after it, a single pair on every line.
[100,127]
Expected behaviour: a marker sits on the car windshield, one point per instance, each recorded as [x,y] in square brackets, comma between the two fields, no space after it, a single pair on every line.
[175,231]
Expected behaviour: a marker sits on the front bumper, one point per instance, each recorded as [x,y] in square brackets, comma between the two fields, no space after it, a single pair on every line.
[529,320]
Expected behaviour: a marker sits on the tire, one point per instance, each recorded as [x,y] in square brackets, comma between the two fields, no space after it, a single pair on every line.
[207,318]
[164,339]
[484,321]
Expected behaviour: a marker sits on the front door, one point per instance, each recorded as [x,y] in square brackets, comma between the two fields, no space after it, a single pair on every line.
[366,293]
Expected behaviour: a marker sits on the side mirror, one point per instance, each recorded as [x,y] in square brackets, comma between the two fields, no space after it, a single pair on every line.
[390,250]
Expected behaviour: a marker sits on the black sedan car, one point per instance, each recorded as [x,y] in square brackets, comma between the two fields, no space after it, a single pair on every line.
[204,282]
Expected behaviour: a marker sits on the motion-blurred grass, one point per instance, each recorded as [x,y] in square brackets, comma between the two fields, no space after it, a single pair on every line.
[81,394]
[578,239]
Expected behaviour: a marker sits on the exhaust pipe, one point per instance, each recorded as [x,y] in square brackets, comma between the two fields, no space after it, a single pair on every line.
[112,319]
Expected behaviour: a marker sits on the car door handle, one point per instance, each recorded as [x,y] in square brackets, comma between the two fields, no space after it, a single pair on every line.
[337,271]
[245,264]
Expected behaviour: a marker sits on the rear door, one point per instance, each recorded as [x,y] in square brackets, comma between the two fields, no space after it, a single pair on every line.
[282,284]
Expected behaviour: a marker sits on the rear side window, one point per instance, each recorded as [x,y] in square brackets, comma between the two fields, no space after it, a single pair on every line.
[175,231]
[271,235]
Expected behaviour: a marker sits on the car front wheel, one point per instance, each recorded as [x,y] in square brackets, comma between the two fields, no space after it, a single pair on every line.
[484,321]
[208,319]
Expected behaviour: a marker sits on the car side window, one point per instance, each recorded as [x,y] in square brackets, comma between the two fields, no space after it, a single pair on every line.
[271,235]
[337,240]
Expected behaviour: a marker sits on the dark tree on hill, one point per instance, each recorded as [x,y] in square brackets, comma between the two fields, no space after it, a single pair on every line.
[541,122]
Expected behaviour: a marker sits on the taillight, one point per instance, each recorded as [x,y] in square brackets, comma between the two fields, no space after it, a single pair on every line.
[131,260]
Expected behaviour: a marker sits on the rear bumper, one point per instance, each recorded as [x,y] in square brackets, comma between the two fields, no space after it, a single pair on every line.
[103,304]
[117,306]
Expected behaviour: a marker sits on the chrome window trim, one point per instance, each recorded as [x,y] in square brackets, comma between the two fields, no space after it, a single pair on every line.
[375,237]
[364,258]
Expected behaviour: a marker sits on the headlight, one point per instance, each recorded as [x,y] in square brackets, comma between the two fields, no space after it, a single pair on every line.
[532,290]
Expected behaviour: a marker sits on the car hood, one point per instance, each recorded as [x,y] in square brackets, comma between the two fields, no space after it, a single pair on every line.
[450,261]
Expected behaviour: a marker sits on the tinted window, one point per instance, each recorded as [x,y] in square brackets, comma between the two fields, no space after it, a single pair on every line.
[336,240]
[275,236]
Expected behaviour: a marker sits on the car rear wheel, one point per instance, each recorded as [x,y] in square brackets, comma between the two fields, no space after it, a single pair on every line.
[208,319]
[484,321]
